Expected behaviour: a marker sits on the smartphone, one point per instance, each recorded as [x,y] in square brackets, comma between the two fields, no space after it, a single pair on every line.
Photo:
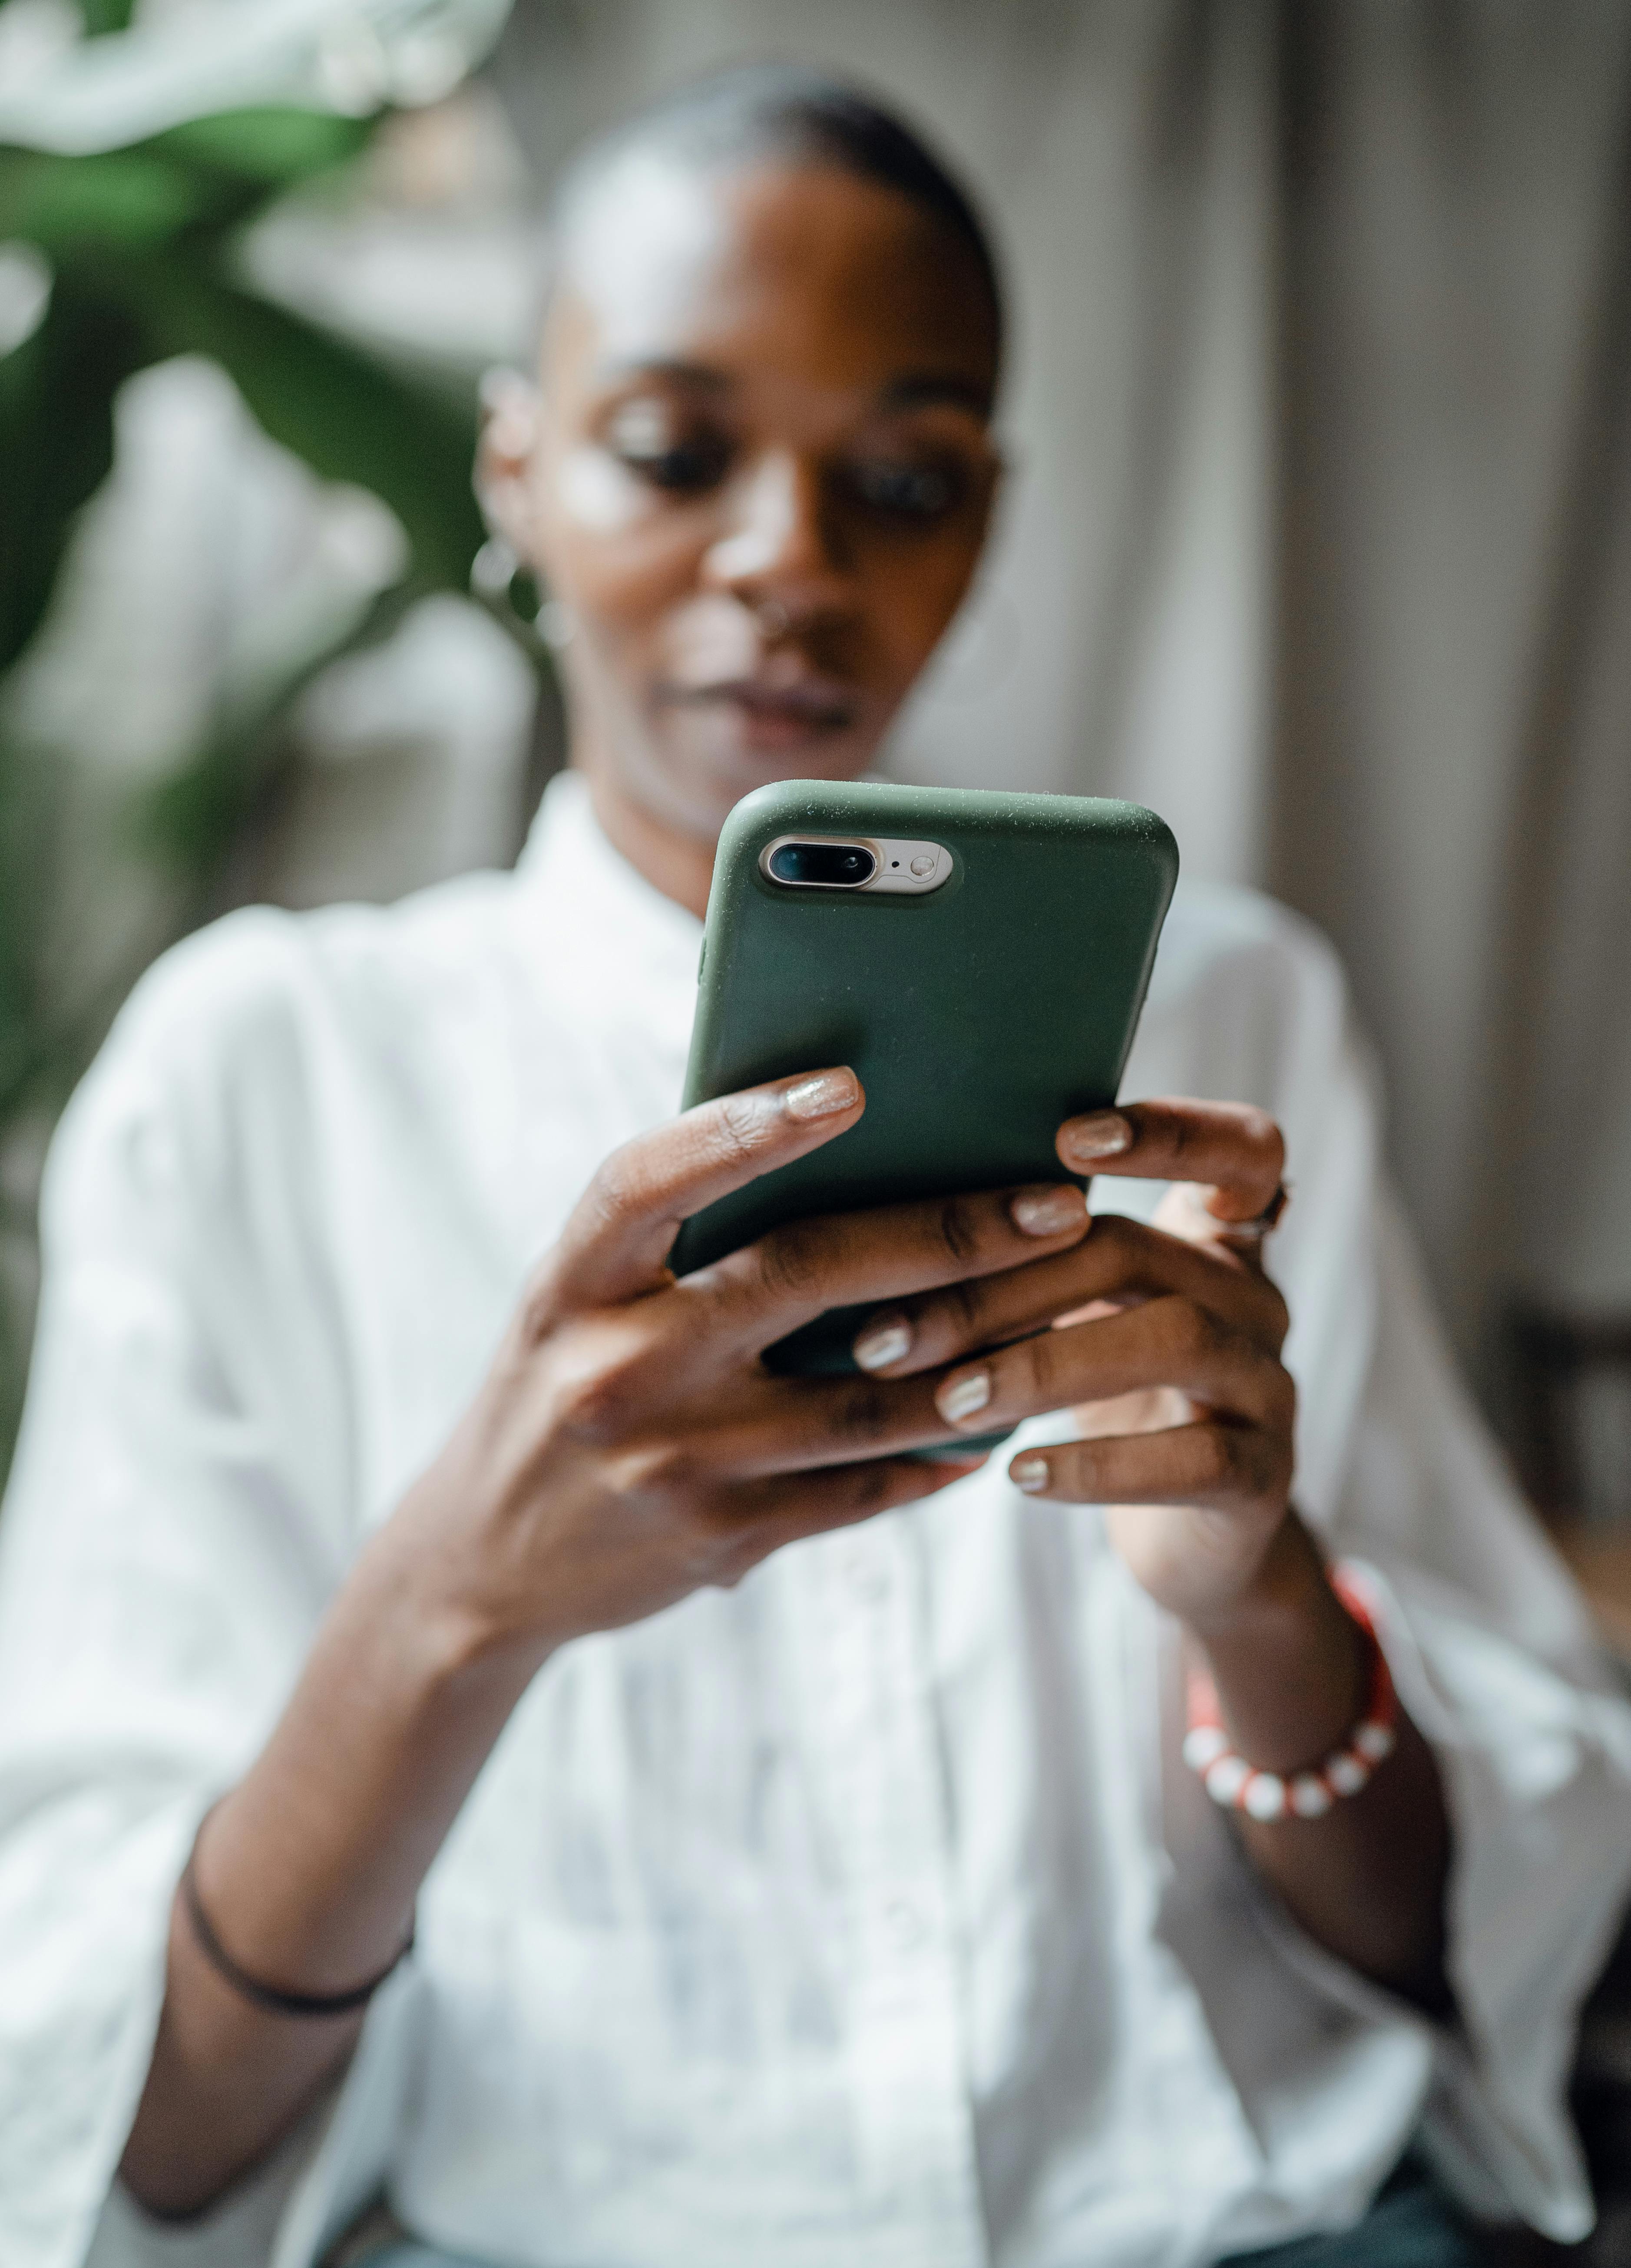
[977,958]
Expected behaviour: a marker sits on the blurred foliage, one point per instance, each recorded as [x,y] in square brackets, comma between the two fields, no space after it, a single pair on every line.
[140,244]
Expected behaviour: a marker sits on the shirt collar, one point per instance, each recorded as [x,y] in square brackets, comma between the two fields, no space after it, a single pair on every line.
[598,924]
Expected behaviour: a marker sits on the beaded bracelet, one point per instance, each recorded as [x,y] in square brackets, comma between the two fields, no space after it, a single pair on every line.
[1230,1780]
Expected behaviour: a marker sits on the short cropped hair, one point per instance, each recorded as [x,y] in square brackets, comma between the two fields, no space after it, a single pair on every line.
[802,116]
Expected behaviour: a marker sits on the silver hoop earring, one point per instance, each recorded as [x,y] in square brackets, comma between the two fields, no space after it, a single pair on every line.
[556,625]
[492,570]
[505,582]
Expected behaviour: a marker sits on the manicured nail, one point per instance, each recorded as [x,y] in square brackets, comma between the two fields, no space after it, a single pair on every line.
[883,1343]
[823,1096]
[964,1396]
[1048,1212]
[1100,1135]
[1030,1473]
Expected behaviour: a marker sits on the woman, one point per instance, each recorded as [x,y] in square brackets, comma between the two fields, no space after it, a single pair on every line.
[805,1859]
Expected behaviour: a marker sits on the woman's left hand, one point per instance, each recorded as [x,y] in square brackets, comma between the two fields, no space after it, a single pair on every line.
[1165,1340]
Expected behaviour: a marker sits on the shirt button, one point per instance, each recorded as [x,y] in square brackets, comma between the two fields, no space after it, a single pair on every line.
[905,1924]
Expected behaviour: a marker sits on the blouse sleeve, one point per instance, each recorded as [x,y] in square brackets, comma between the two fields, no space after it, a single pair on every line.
[1493,1657]
[169,1541]
[1487,1638]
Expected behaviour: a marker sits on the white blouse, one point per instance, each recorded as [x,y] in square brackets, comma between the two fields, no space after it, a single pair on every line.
[864,1913]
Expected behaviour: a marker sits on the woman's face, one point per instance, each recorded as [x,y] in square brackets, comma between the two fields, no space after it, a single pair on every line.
[758,475]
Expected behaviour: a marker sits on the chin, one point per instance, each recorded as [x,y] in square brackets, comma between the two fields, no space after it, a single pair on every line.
[703,775]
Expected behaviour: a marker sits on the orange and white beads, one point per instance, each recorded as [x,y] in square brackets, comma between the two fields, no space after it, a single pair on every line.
[1237,1785]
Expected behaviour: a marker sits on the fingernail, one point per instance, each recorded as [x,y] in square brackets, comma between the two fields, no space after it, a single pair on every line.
[1048,1212]
[883,1343]
[823,1096]
[964,1396]
[1030,1473]
[1099,1136]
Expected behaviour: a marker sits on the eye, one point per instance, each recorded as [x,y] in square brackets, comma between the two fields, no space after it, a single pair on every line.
[904,488]
[651,441]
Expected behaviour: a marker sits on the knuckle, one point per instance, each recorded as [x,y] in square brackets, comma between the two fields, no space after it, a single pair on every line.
[1281,1462]
[535,1318]
[611,1190]
[1038,1361]
[1277,1315]
[1118,1246]
[790,1259]
[670,1466]
[617,1189]
[596,1385]
[1282,1399]
[730,1545]
[1263,1133]
[956,1229]
[966,1306]
[870,1487]
[1194,1331]
[1243,1450]
[740,1129]
[1213,1450]
[1115,1232]
[1260,1462]
[863,1411]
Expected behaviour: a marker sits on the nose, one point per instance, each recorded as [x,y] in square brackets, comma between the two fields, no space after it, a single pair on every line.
[780,550]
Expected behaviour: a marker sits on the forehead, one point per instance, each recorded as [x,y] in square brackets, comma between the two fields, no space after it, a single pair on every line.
[799,271]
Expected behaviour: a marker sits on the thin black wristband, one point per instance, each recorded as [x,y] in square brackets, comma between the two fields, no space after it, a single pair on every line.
[271,1997]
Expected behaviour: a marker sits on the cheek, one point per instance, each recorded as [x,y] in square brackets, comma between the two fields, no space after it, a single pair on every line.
[595,494]
[620,557]
[914,592]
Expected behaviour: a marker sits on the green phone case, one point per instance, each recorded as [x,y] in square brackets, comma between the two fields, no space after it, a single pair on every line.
[977,1016]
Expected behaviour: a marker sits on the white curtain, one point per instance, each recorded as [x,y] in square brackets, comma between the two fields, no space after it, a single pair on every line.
[1318,534]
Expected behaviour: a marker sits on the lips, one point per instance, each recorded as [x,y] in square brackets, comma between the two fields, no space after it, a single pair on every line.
[808,704]
[779,716]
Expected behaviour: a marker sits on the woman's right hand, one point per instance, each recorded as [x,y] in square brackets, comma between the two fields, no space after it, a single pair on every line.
[629,1446]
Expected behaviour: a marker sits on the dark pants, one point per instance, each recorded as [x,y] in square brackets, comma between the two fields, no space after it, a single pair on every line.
[1412,2225]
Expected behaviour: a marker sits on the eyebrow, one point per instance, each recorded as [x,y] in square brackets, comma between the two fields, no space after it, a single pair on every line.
[931,388]
[918,390]
[696,375]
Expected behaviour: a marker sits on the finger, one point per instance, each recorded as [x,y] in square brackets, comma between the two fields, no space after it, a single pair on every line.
[1121,1261]
[772,1426]
[841,1260]
[1214,1465]
[617,1241]
[1238,1152]
[1168,1342]
[786,1511]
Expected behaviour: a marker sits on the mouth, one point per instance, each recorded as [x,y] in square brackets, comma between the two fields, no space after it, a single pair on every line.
[777,713]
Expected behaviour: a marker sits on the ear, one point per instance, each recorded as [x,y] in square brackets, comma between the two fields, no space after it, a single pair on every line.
[506,440]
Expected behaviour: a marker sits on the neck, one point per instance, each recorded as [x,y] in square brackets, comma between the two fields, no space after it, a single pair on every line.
[680,866]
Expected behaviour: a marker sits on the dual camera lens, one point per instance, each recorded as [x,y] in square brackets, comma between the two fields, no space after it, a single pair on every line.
[837,866]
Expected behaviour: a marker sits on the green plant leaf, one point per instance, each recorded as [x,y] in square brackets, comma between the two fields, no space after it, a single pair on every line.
[213,173]
[104,15]
[130,198]
[56,443]
[272,146]
[350,417]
